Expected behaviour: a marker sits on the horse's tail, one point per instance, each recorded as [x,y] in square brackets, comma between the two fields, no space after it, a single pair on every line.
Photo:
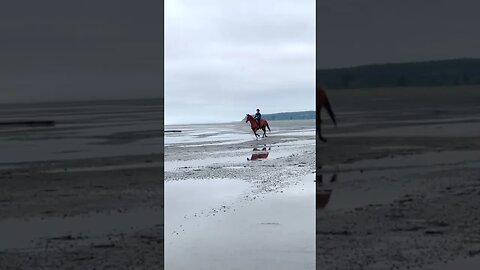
[268,126]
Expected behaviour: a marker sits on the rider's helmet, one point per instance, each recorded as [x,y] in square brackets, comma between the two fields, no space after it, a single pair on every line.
[258,110]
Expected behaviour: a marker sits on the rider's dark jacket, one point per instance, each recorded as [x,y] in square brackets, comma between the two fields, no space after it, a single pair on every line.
[258,116]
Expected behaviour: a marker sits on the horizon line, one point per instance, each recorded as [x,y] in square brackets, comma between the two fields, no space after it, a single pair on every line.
[398,63]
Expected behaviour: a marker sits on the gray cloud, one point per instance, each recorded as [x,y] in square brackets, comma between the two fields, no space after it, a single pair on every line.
[356,32]
[226,58]
[68,50]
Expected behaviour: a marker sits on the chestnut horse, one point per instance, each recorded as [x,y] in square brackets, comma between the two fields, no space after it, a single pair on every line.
[255,127]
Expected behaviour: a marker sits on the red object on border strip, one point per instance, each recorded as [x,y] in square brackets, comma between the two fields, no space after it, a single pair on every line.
[322,198]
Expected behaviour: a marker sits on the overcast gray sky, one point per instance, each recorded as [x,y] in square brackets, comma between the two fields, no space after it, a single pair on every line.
[225,58]
[69,50]
[357,32]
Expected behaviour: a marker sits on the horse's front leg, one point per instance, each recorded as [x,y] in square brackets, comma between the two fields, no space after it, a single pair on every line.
[255,133]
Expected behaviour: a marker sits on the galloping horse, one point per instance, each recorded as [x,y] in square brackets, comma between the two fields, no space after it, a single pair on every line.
[255,127]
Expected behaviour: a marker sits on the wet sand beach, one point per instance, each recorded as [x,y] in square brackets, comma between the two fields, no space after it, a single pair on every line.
[233,202]
[86,193]
[407,180]
[404,176]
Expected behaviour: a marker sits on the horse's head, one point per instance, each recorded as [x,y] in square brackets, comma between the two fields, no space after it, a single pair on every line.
[247,118]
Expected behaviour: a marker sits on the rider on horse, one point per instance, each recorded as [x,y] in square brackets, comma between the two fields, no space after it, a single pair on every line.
[257,117]
[257,123]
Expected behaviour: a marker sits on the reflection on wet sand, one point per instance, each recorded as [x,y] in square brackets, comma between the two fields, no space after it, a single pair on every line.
[408,186]
[323,194]
[259,153]
[243,210]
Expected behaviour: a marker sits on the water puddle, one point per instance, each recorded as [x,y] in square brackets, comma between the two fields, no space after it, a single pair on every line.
[297,143]
[235,158]
[438,130]
[199,197]
[349,199]
[397,147]
[303,133]
[205,136]
[234,167]
[109,167]
[428,159]
[360,183]
[471,263]
[66,149]
[174,165]
[349,190]
[442,120]
[20,233]
[274,231]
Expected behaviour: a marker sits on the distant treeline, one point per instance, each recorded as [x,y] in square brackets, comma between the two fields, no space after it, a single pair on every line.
[431,73]
[290,115]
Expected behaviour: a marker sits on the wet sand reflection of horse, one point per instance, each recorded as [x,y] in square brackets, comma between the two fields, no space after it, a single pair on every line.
[322,198]
[255,127]
[259,154]
[323,194]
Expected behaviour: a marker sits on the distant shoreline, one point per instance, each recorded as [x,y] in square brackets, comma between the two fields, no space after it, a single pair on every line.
[451,72]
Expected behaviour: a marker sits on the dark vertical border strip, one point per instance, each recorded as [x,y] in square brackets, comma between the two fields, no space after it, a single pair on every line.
[317,123]
[162,78]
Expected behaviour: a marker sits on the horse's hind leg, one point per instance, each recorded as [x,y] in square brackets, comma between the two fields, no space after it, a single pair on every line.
[264,132]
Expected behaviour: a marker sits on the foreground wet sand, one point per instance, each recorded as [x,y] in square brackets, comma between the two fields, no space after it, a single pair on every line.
[82,219]
[407,181]
[244,204]
[86,193]
[404,195]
